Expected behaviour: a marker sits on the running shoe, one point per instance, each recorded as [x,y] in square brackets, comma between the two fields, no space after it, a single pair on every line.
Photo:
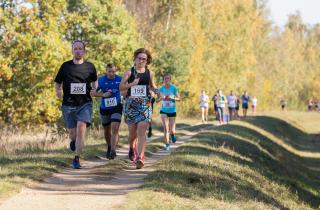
[108,152]
[76,163]
[139,163]
[131,154]
[73,145]
[167,147]
[113,154]
[173,138]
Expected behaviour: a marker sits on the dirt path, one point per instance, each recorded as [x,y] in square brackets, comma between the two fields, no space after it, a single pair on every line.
[84,189]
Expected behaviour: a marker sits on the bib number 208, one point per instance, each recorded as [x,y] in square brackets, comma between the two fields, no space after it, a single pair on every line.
[78,88]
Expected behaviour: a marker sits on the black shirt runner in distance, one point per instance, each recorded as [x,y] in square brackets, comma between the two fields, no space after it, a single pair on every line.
[76,79]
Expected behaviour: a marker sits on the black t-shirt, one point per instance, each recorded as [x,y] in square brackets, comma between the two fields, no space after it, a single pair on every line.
[76,79]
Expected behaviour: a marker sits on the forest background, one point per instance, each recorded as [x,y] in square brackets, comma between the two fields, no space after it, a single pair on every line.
[203,44]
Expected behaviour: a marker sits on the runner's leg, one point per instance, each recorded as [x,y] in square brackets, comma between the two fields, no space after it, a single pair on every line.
[107,135]
[165,124]
[172,125]
[114,134]
[206,114]
[142,139]
[202,114]
[81,132]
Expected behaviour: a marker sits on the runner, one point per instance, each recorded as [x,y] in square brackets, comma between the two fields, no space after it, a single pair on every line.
[110,108]
[169,95]
[283,104]
[221,103]
[73,82]
[215,107]
[150,123]
[232,103]
[245,103]
[310,105]
[137,109]
[237,108]
[254,102]
[204,106]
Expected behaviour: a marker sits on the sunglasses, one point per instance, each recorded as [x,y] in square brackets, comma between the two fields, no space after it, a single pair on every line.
[142,59]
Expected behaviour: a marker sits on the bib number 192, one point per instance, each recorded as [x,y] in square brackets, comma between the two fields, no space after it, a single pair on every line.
[139,90]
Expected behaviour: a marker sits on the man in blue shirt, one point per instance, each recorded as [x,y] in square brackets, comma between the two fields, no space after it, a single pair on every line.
[245,103]
[110,108]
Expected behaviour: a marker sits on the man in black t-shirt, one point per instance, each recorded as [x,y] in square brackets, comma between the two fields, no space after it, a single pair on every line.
[76,77]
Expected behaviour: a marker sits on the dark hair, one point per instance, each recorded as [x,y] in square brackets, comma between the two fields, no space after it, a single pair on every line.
[145,51]
[79,41]
[166,75]
[110,65]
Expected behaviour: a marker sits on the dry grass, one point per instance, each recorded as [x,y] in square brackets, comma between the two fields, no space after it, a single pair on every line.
[31,155]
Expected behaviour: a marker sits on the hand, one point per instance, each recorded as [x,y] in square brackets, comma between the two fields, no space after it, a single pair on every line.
[106,94]
[59,93]
[93,92]
[171,98]
[135,81]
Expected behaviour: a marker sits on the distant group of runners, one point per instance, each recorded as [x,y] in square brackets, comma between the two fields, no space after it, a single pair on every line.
[314,105]
[220,102]
[131,95]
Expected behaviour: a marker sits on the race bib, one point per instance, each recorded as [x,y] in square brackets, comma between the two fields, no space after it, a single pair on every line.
[167,104]
[110,102]
[78,88]
[139,90]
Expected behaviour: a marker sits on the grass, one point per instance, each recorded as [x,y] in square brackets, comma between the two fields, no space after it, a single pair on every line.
[263,162]
[28,157]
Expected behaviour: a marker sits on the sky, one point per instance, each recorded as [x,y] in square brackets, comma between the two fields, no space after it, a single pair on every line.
[280,9]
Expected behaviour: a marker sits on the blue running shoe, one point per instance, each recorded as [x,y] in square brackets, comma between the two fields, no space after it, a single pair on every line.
[76,163]
[173,138]
[73,145]
[167,147]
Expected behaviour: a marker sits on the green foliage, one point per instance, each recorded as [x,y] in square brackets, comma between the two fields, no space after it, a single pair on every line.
[30,51]
[205,44]
[35,39]
[107,28]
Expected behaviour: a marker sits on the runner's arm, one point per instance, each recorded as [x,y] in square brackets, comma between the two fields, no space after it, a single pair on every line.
[153,86]
[96,91]
[177,97]
[58,90]
[159,98]
[124,85]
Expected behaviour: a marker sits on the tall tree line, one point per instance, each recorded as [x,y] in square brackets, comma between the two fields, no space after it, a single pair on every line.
[204,44]
[36,37]
[231,45]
